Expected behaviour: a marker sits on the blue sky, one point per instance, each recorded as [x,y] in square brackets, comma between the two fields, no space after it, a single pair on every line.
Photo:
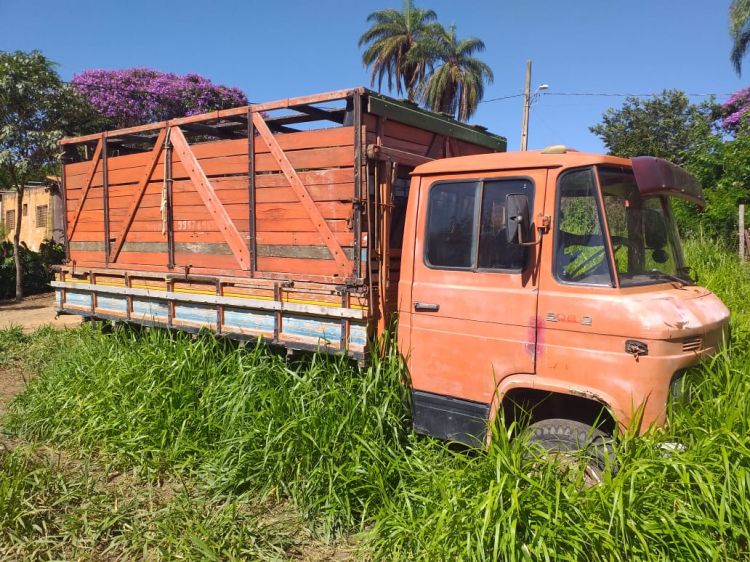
[286,48]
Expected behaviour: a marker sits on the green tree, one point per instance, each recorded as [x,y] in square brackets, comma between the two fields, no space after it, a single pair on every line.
[455,84]
[722,166]
[389,42]
[739,29]
[36,111]
[666,126]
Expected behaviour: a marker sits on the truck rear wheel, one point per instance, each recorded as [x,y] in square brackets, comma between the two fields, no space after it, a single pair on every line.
[572,443]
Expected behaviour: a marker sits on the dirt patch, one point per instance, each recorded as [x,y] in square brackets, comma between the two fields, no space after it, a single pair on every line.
[12,382]
[33,312]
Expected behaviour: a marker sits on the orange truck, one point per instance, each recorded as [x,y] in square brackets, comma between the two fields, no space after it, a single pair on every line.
[547,284]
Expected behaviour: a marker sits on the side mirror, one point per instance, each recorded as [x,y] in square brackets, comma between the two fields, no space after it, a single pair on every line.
[518,228]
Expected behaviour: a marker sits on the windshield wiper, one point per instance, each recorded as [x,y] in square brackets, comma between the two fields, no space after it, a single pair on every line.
[657,273]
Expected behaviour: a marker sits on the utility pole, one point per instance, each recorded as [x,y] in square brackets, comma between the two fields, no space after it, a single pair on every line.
[526,107]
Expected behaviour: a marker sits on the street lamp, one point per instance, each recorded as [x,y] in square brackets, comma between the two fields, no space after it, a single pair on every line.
[539,89]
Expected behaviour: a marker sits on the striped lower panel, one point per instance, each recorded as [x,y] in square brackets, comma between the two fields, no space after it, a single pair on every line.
[310,329]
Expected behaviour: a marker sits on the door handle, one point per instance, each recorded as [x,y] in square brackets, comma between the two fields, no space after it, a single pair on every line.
[426,307]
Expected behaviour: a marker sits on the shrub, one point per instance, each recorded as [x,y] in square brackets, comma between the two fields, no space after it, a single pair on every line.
[37,267]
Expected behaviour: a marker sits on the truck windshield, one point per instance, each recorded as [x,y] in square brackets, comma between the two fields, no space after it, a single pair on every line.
[643,239]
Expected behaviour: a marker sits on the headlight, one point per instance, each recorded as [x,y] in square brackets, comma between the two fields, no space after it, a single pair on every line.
[679,389]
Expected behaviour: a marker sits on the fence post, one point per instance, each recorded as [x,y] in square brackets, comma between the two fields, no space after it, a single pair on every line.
[742,231]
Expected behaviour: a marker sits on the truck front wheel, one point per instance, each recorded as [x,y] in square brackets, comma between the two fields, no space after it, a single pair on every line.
[570,444]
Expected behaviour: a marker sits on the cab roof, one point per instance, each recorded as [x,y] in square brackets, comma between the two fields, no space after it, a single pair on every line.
[516,160]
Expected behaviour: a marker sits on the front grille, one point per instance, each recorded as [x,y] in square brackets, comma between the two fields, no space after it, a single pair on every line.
[692,344]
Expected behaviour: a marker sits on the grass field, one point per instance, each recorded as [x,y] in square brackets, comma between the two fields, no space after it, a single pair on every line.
[162,446]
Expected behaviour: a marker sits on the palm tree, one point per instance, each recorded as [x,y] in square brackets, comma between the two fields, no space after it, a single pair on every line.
[456,82]
[389,40]
[739,28]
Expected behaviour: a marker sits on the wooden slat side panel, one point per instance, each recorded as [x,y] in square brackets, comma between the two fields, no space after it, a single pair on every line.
[217,211]
[288,163]
[322,160]
[139,191]
[95,168]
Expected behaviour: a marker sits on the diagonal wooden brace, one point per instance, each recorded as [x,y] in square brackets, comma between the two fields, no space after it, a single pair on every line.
[140,190]
[206,191]
[342,262]
[94,165]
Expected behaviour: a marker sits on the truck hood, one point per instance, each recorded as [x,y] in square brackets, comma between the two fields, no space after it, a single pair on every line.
[677,312]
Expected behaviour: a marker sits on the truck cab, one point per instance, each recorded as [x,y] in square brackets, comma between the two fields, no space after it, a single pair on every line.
[551,285]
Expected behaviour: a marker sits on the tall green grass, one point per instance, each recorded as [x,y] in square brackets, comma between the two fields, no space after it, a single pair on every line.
[336,441]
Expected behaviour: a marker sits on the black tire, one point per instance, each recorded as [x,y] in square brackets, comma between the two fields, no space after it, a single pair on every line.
[569,441]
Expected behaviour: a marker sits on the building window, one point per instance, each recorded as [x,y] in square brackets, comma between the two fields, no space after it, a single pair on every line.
[10,220]
[41,216]
[25,210]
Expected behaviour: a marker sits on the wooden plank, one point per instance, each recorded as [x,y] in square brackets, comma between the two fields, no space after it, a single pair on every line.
[385,153]
[217,261]
[94,165]
[247,303]
[202,225]
[181,236]
[305,100]
[302,238]
[303,140]
[193,198]
[294,251]
[281,211]
[337,192]
[314,158]
[298,266]
[342,262]
[309,178]
[300,225]
[89,256]
[143,258]
[238,281]
[252,239]
[210,199]
[212,116]
[140,190]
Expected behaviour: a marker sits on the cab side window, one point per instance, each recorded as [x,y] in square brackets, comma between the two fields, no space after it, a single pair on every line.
[466,226]
[450,225]
[580,252]
[494,250]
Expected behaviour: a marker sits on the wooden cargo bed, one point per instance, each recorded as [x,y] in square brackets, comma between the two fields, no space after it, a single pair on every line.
[270,220]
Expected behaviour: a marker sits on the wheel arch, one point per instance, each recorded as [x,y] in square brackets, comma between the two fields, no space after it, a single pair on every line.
[529,399]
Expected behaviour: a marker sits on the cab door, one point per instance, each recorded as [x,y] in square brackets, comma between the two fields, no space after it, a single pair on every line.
[472,316]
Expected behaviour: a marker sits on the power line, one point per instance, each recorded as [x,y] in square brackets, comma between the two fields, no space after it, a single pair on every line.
[502,98]
[499,98]
[613,94]
[605,94]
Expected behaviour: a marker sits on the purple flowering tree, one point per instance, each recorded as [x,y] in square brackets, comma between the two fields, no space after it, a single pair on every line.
[142,95]
[736,110]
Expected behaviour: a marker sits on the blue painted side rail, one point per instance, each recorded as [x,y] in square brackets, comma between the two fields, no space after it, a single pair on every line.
[291,324]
